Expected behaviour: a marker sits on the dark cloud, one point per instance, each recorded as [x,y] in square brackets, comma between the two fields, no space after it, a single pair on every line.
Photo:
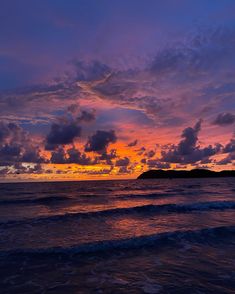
[141,150]
[32,154]
[17,146]
[123,170]
[224,119]
[123,161]
[72,155]
[10,150]
[62,134]
[67,128]
[207,50]
[228,159]
[5,131]
[206,160]
[190,137]
[80,115]
[133,143]
[73,108]
[10,154]
[11,132]
[187,151]
[100,141]
[86,116]
[108,157]
[58,156]
[20,153]
[75,156]
[150,153]
[230,147]
[143,160]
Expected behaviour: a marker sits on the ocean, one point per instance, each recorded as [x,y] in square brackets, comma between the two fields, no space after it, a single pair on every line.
[132,236]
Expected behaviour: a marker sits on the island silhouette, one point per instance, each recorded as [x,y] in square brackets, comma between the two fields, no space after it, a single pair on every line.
[194,173]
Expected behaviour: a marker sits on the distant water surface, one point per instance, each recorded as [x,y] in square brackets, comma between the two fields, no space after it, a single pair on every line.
[137,236]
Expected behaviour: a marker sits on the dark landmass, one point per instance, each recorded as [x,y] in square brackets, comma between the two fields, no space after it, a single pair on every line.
[195,173]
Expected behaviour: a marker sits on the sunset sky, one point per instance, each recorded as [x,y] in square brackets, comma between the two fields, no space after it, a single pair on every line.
[101,89]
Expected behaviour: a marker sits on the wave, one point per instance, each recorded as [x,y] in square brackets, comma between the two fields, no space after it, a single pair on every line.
[149,208]
[158,195]
[147,196]
[217,233]
[42,200]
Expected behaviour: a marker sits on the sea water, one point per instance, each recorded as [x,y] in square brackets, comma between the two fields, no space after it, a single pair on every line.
[133,236]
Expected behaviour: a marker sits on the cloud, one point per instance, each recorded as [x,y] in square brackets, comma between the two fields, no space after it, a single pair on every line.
[72,155]
[32,154]
[224,119]
[230,147]
[206,50]
[228,159]
[58,156]
[107,156]
[86,116]
[148,157]
[150,153]
[175,77]
[38,100]
[100,141]
[75,156]
[156,163]
[10,132]
[123,161]
[190,137]
[123,170]
[154,88]
[187,151]
[90,71]
[169,89]
[62,134]
[103,171]
[141,150]
[20,168]
[10,154]
[165,88]
[133,143]
[4,171]
[73,108]
[17,146]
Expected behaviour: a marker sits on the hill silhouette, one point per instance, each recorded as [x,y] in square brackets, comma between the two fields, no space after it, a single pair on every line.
[195,173]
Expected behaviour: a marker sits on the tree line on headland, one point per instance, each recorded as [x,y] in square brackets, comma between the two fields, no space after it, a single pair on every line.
[195,173]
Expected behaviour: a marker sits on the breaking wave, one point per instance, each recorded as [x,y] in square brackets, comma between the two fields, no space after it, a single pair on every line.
[216,233]
[150,208]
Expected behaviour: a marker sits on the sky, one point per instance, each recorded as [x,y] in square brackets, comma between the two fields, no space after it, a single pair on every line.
[100,89]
